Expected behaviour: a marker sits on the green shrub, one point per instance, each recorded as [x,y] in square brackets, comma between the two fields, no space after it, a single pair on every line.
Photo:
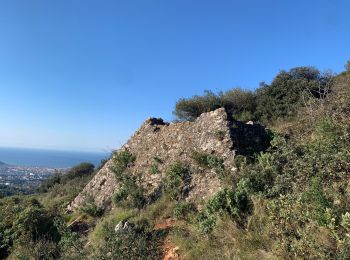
[234,203]
[120,196]
[50,182]
[210,161]
[82,170]
[245,116]
[24,225]
[190,109]
[153,169]
[78,171]
[138,241]
[240,161]
[138,199]
[40,249]
[206,222]
[288,91]
[182,210]
[71,245]
[319,201]
[131,193]
[238,102]
[91,208]
[220,135]
[5,241]
[281,98]
[121,161]
[157,159]
[177,176]
[297,232]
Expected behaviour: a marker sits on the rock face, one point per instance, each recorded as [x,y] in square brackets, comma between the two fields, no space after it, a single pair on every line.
[157,144]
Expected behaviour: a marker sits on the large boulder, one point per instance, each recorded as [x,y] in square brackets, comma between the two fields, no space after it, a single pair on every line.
[160,143]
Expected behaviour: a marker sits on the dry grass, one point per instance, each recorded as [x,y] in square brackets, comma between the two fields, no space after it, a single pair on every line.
[227,241]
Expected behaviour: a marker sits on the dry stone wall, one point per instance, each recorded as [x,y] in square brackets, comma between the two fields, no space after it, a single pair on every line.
[158,144]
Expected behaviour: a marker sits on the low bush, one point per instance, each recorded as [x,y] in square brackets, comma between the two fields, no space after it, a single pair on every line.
[121,161]
[183,210]
[71,244]
[24,222]
[177,177]
[120,196]
[83,170]
[91,208]
[235,203]
[210,161]
[137,241]
[130,193]
[153,169]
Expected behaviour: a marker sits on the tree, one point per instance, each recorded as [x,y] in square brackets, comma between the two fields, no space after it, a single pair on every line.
[347,66]
[191,108]
[285,94]
[281,98]
[237,102]
[240,103]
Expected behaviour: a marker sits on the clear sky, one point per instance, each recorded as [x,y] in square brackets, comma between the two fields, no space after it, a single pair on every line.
[83,74]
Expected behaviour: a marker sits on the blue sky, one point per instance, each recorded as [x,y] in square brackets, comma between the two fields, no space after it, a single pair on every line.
[83,74]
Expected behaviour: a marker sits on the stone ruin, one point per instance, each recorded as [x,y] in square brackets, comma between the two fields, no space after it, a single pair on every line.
[211,133]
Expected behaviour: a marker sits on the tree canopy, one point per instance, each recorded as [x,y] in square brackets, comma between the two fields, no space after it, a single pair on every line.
[287,92]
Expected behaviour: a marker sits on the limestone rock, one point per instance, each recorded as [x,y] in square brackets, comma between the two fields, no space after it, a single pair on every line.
[120,227]
[161,144]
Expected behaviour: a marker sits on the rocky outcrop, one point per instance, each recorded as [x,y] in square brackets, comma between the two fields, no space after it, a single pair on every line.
[157,144]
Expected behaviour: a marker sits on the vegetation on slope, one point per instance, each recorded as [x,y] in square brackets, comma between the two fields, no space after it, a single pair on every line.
[288,91]
[290,201]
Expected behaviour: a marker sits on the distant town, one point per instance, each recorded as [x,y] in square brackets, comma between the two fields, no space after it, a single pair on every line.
[23,179]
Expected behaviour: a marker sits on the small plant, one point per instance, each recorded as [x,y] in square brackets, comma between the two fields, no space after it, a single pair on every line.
[206,222]
[91,208]
[244,116]
[234,203]
[265,160]
[223,201]
[200,158]
[347,66]
[219,134]
[153,169]
[120,196]
[157,159]
[217,164]
[138,199]
[182,210]
[319,200]
[177,175]
[121,161]
[130,194]
[210,161]
[137,241]
[70,244]
[240,161]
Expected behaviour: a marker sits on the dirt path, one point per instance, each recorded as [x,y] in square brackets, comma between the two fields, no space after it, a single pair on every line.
[171,252]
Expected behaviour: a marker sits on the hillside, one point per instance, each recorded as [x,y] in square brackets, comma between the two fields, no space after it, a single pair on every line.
[214,185]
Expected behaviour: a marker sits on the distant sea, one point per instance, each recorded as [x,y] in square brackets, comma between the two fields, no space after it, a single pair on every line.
[48,158]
